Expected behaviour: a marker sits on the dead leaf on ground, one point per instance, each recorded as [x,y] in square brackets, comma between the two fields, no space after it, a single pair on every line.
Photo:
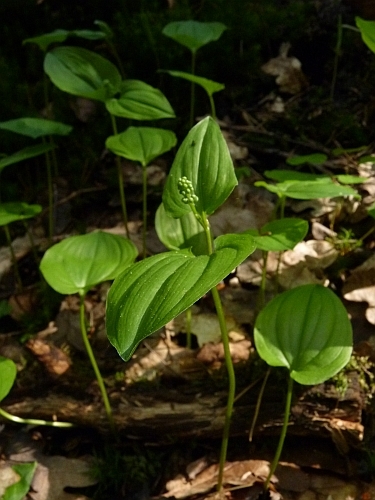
[360,287]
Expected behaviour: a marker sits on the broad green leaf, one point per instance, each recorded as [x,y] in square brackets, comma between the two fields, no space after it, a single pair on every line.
[154,291]
[308,190]
[19,490]
[140,101]
[209,86]
[36,127]
[315,159]
[82,72]
[292,175]
[88,34]
[177,234]
[307,331]
[204,159]
[78,263]
[8,373]
[14,211]
[25,154]
[141,144]
[350,179]
[367,29]
[45,40]
[280,235]
[194,34]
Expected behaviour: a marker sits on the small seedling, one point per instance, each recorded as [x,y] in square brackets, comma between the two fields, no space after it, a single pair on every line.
[200,180]
[13,212]
[78,263]
[8,373]
[142,144]
[307,331]
[194,35]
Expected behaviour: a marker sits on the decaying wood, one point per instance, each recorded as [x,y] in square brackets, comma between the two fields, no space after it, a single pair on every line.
[164,414]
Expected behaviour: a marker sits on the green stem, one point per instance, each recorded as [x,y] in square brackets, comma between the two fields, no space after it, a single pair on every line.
[144,210]
[228,363]
[33,421]
[262,288]
[192,91]
[13,258]
[50,195]
[259,401]
[212,103]
[276,458]
[120,182]
[94,363]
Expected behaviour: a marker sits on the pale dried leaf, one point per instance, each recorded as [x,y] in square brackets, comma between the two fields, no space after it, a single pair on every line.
[7,477]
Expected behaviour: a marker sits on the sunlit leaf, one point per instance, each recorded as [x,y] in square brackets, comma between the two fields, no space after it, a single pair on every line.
[8,372]
[36,127]
[176,234]
[367,29]
[204,159]
[194,34]
[280,235]
[308,190]
[307,331]
[209,86]
[154,291]
[140,101]
[82,72]
[141,144]
[78,263]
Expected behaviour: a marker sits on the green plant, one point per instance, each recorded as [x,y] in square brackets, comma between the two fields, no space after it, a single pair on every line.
[201,178]
[18,490]
[84,73]
[194,35]
[35,128]
[78,263]
[8,373]
[12,212]
[307,331]
[142,144]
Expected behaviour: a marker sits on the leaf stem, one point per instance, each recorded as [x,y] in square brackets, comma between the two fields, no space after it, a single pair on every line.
[94,364]
[259,401]
[144,209]
[120,179]
[192,91]
[276,458]
[33,421]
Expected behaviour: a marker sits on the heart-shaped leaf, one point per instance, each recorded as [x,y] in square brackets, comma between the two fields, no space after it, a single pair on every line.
[177,234]
[78,263]
[25,154]
[14,211]
[194,34]
[154,291]
[308,190]
[280,235]
[315,159]
[204,159]
[367,29]
[8,372]
[83,73]
[140,101]
[141,144]
[36,127]
[209,86]
[307,331]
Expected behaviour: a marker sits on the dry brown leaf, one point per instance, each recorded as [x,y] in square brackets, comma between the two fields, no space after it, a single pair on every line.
[288,72]
[360,287]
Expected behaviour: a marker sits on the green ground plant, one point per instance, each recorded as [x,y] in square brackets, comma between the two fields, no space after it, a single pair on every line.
[307,331]
[77,264]
[200,180]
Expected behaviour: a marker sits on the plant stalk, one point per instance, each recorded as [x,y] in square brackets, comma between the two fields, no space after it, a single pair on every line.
[276,458]
[120,182]
[192,91]
[259,401]
[144,209]
[228,364]
[33,421]
[94,364]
